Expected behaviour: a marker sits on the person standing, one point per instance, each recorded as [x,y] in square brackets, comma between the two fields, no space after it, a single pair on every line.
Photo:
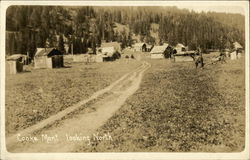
[199,59]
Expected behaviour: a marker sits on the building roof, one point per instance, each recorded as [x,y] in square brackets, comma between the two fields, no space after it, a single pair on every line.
[108,51]
[138,44]
[165,44]
[15,57]
[158,49]
[179,45]
[149,46]
[43,52]
[116,45]
[237,45]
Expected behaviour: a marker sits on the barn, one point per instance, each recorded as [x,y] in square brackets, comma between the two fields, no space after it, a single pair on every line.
[48,58]
[180,48]
[140,47]
[15,63]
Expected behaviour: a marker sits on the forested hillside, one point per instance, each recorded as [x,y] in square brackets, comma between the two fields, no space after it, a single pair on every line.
[29,27]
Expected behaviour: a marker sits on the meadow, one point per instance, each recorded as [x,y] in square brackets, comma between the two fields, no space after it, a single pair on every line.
[36,94]
[180,109]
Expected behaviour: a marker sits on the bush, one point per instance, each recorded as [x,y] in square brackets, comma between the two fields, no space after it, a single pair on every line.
[116,55]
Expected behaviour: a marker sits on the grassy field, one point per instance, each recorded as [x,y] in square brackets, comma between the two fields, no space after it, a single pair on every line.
[37,94]
[179,109]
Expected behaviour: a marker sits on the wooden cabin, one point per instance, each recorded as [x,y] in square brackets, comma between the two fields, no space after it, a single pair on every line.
[48,58]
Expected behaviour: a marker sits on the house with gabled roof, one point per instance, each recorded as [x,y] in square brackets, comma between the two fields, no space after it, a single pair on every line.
[140,47]
[14,63]
[158,52]
[180,48]
[48,58]
[237,46]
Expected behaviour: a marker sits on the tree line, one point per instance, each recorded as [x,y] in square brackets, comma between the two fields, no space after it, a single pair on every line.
[31,27]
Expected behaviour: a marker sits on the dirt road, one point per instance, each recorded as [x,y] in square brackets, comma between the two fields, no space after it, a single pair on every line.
[80,127]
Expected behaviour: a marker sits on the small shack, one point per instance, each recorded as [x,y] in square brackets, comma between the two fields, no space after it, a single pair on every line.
[180,48]
[227,52]
[115,45]
[24,59]
[237,46]
[158,52]
[149,47]
[236,54]
[233,55]
[141,47]
[110,51]
[48,58]
[15,63]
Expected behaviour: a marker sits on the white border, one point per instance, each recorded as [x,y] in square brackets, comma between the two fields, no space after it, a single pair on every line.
[135,155]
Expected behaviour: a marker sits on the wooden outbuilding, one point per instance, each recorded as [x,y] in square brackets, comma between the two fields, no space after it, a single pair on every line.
[180,48]
[110,51]
[14,63]
[237,46]
[115,45]
[158,52]
[149,47]
[141,47]
[48,58]
[236,54]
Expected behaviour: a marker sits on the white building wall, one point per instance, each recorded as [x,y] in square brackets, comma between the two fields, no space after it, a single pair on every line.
[157,56]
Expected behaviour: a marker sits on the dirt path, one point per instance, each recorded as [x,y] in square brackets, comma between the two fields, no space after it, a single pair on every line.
[83,124]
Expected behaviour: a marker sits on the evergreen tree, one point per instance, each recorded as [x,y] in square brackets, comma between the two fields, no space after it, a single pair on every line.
[94,24]
[61,44]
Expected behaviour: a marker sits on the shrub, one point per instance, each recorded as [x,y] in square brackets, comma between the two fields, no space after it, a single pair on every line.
[116,55]
[132,56]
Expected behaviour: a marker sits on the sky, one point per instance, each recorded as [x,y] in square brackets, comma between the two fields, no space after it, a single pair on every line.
[225,9]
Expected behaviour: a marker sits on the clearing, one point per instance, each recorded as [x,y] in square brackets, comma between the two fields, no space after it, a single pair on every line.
[180,109]
[37,94]
[84,121]
[177,108]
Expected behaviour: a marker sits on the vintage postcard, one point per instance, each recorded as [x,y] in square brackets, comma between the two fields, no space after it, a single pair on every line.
[124,80]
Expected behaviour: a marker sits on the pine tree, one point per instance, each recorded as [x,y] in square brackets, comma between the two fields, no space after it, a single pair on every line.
[61,44]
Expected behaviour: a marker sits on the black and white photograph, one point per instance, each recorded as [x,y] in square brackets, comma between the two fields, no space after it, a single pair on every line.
[120,77]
